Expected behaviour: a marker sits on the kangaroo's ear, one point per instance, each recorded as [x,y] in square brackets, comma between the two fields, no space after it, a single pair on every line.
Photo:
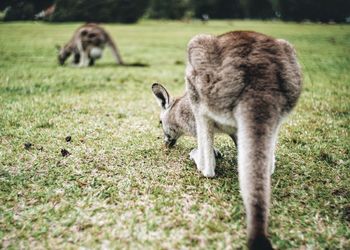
[161,95]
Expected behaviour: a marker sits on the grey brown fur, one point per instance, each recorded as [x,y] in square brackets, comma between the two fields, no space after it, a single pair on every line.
[243,84]
[86,41]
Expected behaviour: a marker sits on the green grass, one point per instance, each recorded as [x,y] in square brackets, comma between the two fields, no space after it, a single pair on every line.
[119,187]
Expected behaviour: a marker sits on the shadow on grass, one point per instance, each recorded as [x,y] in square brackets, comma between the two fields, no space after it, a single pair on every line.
[135,64]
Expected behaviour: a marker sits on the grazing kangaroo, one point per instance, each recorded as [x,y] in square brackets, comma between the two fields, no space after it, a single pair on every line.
[243,84]
[87,45]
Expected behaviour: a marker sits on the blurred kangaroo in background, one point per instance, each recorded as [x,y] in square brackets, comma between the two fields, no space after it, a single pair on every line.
[243,84]
[87,45]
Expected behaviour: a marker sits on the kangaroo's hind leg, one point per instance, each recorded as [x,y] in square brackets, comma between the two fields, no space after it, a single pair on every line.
[274,142]
[91,61]
[234,139]
[76,58]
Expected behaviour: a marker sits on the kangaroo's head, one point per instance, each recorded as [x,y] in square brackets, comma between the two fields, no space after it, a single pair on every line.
[172,130]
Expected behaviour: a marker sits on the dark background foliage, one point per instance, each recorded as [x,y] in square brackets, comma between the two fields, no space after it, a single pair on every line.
[320,10]
[125,11]
[23,10]
[218,8]
[170,9]
[129,11]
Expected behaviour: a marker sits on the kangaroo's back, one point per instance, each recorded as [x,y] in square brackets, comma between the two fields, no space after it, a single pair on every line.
[237,62]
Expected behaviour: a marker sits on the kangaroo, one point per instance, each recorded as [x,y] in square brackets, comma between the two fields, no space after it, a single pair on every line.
[87,45]
[243,84]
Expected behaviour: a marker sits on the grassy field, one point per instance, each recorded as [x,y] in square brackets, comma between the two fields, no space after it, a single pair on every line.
[119,188]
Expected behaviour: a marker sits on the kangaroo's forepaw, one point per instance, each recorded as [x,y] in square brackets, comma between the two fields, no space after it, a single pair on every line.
[209,172]
[194,156]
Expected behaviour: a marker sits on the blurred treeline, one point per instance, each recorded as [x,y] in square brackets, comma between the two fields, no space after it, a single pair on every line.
[129,11]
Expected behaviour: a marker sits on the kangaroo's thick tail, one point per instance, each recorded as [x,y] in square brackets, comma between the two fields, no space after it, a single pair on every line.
[257,127]
[115,50]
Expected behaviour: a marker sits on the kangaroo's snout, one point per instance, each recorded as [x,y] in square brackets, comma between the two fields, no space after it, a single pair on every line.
[169,143]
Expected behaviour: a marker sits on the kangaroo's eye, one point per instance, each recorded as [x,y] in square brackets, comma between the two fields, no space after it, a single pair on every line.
[160,122]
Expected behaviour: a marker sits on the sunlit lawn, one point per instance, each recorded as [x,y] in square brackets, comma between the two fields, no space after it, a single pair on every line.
[119,187]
